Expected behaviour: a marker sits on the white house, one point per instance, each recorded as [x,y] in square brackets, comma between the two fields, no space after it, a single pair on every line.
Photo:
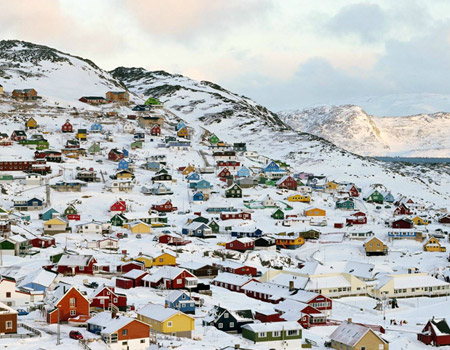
[33,180]
[93,227]
[13,297]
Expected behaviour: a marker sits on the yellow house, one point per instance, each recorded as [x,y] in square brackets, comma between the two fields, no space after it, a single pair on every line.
[352,336]
[433,245]
[299,198]
[81,134]
[315,212]
[55,225]
[167,320]
[189,169]
[419,221]
[138,227]
[331,185]
[165,259]
[31,123]
[124,174]
[183,132]
[1,89]
[375,246]
[146,259]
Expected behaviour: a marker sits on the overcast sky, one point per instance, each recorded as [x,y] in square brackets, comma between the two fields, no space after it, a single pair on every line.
[284,54]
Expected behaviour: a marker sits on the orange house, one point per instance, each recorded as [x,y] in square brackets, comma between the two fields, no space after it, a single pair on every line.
[183,132]
[133,333]
[68,300]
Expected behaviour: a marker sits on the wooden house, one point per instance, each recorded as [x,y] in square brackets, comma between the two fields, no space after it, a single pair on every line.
[374,196]
[299,198]
[155,130]
[167,320]
[312,211]
[76,264]
[118,96]
[233,191]
[55,225]
[165,206]
[235,215]
[417,220]
[346,204]
[277,214]
[289,241]
[352,190]
[357,218]
[8,319]
[171,277]
[285,332]
[402,223]
[18,135]
[131,279]
[63,302]
[230,321]
[139,227]
[445,219]
[32,204]
[25,94]
[179,300]
[436,332]
[115,155]
[67,127]
[352,336]
[172,239]
[31,123]
[183,132]
[287,182]
[43,242]
[402,209]
[241,244]
[81,134]
[433,245]
[225,173]
[119,206]
[105,296]
[375,246]
[200,270]
[93,100]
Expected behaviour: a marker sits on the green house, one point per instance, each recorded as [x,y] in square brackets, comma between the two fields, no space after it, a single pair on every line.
[152,102]
[70,210]
[233,192]
[345,204]
[213,139]
[118,220]
[201,219]
[273,331]
[214,226]
[94,148]
[6,177]
[374,197]
[278,214]
[7,247]
[136,144]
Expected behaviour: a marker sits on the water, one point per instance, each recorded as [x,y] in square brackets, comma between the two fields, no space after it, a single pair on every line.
[414,160]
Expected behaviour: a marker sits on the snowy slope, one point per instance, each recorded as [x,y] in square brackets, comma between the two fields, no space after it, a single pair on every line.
[351,128]
[52,73]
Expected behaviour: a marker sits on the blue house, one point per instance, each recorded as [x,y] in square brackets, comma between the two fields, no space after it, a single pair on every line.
[243,172]
[155,166]
[180,125]
[247,233]
[198,196]
[96,127]
[48,214]
[200,185]
[142,108]
[193,177]
[388,197]
[272,167]
[197,229]
[180,301]
[28,204]
[125,153]
[123,165]
[38,280]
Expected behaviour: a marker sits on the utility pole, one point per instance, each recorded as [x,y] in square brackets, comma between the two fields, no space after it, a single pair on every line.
[47,191]
[58,338]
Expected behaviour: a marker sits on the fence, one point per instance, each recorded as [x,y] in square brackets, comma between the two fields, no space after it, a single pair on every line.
[33,332]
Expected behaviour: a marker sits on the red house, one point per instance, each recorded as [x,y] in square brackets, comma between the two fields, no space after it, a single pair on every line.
[236,268]
[241,244]
[436,332]
[105,296]
[42,242]
[444,219]
[268,316]
[18,135]
[402,209]
[232,282]
[235,215]
[225,173]
[358,218]
[67,127]
[68,300]
[287,182]
[132,279]
[232,164]
[402,223]
[119,206]
[173,240]
[310,316]
[76,264]
[171,277]
[131,265]
[155,130]
[166,206]
[352,190]
[115,155]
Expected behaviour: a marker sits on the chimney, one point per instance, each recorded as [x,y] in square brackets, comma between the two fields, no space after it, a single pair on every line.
[237,346]
[349,320]
[291,286]
[113,314]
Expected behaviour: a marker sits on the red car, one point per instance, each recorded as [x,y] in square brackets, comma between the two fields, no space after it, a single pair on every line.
[76,335]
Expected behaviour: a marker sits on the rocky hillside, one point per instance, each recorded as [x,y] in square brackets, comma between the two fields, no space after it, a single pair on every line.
[351,128]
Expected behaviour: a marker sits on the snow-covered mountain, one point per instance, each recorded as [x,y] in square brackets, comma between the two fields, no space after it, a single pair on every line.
[350,127]
[52,73]
[207,107]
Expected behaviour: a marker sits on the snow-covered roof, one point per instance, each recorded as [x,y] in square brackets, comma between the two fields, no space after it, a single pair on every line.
[169,272]
[135,273]
[117,323]
[42,277]
[231,278]
[350,333]
[326,282]
[75,260]
[174,295]
[273,326]
[158,313]
[413,280]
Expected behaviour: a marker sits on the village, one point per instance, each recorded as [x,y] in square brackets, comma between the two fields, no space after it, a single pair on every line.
[125,227]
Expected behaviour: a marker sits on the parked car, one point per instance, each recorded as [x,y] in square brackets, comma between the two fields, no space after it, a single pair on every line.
[22,312]
[138,235]
[76,335]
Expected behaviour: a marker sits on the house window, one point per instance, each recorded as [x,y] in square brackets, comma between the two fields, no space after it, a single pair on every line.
[73,302]
[142,341]
[169,324]
[161,259]
[363,348]
[179,281]
[262,335]
[231,324]
[124,331]
[115,300]
[9,324]
[276,334]
[226,315]
[73,312]
[220,325]
[81,268]
[294,332]
[8,294]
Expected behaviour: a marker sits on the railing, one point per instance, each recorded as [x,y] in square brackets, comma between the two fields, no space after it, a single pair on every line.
[83,344]
[33,332]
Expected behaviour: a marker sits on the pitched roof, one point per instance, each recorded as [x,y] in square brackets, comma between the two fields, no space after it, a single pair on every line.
[159,313]
[351,333]
[75,260]
[273,326]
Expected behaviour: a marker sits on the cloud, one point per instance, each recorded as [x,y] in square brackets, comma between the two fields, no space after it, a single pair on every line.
[188,20]
[367,22]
